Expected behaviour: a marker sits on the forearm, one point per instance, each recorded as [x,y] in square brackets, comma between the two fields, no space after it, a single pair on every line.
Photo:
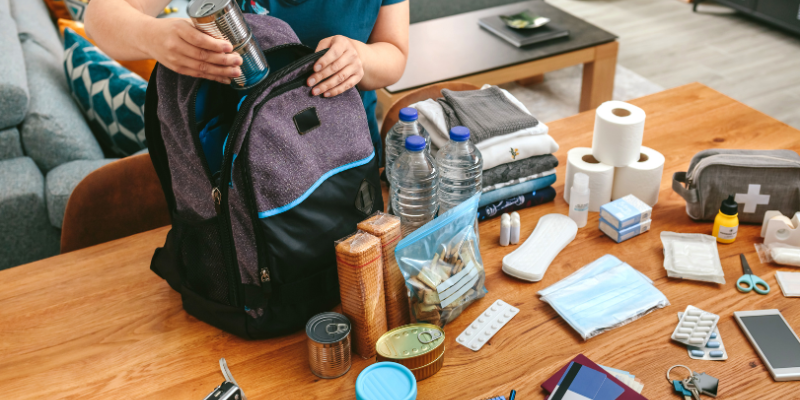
[383,64]
[120,28]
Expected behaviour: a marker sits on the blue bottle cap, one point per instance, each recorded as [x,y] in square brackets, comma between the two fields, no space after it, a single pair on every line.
[386,381]
[415,143]
[408,114]
[459,133]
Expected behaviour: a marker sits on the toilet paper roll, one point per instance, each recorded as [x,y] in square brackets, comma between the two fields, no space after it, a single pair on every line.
[618,130]
[601,176]
[642,178]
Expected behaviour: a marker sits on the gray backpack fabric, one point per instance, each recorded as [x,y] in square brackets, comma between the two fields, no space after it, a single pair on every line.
[251,247]
[760,180]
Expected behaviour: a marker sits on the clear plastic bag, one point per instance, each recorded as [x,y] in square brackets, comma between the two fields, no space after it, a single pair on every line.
[603,295]
[778,253]
[442,265]
[692,256]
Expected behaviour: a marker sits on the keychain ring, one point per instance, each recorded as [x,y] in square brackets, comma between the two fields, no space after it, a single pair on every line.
[676,366]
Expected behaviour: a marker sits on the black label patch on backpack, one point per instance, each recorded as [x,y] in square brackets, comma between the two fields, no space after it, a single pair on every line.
[365,199]
[306,120]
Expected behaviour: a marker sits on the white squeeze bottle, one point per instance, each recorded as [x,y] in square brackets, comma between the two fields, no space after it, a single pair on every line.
[460,169]
[396,138]
[414,186]
[579,199]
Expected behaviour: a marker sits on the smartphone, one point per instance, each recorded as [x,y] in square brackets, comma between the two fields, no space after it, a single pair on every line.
[774,341]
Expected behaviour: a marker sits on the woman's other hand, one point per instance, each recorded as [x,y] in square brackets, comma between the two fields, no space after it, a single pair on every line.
[179,46]
[339,69]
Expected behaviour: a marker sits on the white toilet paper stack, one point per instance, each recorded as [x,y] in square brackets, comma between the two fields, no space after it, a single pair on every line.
[617,163]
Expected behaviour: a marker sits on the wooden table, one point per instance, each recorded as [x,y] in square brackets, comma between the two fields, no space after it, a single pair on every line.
[96,323]
[457,48]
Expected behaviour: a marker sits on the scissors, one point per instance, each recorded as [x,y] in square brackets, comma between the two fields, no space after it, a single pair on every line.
[750,281]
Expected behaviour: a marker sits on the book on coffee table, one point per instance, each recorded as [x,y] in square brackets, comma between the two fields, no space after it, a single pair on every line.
[521,37]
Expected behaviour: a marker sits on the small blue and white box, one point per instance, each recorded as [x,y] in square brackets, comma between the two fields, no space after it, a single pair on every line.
[625,211]
[622,235]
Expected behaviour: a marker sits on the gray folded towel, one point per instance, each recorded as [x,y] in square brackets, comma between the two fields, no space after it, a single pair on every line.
[519,169]
[487,113]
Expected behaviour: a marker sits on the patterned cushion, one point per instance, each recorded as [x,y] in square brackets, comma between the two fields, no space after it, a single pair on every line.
[110,96]
[142,68]
[76,8]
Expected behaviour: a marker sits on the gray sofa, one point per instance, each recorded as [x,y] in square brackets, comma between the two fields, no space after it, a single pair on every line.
[46,146]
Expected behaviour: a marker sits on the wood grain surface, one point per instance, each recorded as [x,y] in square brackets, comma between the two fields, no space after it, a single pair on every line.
[97,324]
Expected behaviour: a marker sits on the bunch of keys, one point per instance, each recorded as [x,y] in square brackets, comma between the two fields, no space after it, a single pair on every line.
[695,385]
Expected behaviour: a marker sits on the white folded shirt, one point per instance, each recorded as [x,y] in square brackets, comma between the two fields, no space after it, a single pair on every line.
[498,150]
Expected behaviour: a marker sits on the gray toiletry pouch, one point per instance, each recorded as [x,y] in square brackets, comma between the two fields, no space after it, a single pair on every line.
[760,180]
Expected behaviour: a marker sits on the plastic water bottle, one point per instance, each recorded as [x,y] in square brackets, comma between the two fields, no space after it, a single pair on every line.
[414,186]
[460,168]
[396,138]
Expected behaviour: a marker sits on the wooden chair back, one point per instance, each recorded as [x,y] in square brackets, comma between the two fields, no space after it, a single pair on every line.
[117,200]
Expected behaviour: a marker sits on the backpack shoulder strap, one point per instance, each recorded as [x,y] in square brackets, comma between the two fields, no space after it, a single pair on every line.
[155,143]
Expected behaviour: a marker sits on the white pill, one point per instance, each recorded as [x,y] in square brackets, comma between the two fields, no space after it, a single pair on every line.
[705,323]
[480,339]
[703,329]
[475,346]
[708,317]
[487,314]
[494,308]
[691,319]
[699,334]
[682,335]
[461,339]
[499,303]
[507,314]
[494,326]
[688,324]
[694,311]
[684,330]
[487,332]
[481,320]
[696,340]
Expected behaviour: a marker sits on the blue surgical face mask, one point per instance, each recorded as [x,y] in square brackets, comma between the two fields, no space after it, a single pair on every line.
[603,295]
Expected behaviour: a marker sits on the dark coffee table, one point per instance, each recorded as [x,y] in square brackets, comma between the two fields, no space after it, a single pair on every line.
[457,48]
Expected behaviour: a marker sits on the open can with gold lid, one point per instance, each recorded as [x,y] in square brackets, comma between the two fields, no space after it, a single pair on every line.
[419,347]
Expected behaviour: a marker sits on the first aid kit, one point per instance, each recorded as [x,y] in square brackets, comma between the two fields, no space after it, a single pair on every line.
[759,180]
[251,247]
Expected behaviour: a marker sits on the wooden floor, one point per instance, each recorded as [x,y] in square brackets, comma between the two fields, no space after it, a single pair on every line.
[665,42]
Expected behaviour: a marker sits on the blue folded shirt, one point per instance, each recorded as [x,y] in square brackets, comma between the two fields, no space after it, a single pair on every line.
[515,190]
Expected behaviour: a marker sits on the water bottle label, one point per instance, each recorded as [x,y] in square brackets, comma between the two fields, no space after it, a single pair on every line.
[581,207]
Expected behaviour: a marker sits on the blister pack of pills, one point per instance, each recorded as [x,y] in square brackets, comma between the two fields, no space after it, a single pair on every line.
[695,327]
[713,350]
[484,327]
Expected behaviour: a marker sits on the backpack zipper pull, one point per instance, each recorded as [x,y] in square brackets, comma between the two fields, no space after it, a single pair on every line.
[216,195]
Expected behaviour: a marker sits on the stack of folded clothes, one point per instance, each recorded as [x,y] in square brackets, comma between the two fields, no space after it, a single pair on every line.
[518,165]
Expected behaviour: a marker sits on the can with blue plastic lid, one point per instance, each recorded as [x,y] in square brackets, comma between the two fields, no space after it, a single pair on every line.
[328,345]
[386,381]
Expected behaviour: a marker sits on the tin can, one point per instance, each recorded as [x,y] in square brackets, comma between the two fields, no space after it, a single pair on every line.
[419,347]
[254,65]
[328,345]
[220,19]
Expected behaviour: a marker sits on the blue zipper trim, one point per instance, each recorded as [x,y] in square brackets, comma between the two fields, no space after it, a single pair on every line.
[276,211]
[449,216]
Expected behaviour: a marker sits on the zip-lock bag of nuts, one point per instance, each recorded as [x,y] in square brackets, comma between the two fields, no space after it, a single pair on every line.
[442,265]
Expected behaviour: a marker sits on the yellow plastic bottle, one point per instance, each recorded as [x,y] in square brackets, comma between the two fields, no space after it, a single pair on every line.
[726,224]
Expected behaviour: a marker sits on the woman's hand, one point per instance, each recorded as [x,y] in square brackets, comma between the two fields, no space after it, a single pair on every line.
[339,69]
[178,45]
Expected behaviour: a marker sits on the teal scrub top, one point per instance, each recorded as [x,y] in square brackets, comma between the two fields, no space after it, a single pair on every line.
[314,20]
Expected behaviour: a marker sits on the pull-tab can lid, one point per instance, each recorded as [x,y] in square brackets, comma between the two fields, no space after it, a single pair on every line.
[328,327]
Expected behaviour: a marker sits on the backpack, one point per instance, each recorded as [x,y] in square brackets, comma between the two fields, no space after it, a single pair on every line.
[251,249]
